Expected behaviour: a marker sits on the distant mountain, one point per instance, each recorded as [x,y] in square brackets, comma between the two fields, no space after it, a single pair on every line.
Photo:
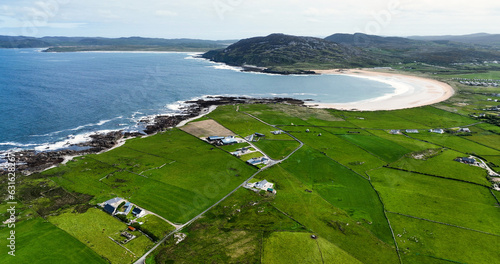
[131,43]
[479,38]
[279,50]
[364,40]
[435,51]
[22,42]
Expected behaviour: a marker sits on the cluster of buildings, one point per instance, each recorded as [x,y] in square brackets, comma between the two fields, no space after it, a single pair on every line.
[241,151]
[485,83]
[434,130]
[111,207]
[495,108]
[258,161]
[467,160]
[263,185]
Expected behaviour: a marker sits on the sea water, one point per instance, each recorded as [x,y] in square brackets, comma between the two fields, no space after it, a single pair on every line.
[52,100]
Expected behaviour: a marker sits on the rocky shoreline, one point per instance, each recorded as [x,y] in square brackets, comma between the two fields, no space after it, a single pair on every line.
[31,161]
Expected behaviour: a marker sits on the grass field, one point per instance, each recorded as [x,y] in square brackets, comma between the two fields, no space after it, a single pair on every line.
[287,247]
[327,221]
[156,225]
[444,165]
[185,175]
[339,149]
[414,118]
[442,200]
[342,188]
[457,143]
[243,124]
[277,149]
[38,241]
[94,228]
[426,242]
[383,148]
[230,233]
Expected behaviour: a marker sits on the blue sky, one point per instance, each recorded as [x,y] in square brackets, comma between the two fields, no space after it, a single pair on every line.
[235,19]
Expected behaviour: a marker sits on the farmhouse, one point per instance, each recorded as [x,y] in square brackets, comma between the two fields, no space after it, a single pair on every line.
[138,212]
[395,132]
[439,131]
[412,131]
[278,132]
[240,151]
[257,161]
[110,206]
[466,160]
[262,185]
[229,140]
[465,129]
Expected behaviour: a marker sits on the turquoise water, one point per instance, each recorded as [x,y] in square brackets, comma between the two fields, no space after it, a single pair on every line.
[53,99]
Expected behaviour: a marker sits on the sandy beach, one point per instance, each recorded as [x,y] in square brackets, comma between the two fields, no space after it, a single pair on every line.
[410,91]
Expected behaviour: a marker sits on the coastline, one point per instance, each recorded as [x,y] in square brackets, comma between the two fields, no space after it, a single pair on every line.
[410,91]
[32,161]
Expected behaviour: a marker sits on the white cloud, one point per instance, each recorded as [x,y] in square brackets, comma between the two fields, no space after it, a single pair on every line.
[65,25]
[165,13]
[312,11]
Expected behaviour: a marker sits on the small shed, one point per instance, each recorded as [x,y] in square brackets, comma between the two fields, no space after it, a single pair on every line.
[137,212]
[259,135]
[131,228]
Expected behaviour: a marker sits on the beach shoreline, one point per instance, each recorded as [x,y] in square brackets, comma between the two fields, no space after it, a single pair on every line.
[410,91]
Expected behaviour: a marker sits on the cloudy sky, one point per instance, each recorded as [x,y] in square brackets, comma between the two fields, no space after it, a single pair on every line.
[234,19]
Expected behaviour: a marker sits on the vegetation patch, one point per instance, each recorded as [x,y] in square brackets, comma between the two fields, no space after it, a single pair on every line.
[444,164]
[426,242]
[38,241]
[94,229]
[446,201]
[286,247]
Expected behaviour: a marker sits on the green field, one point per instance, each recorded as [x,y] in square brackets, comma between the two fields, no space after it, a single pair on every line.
[457,143]
[173,174]
[230,233]
[156,225]
[287,247]
[427,242]
[94,228]
[342,188]
[444,165]
[383,148]
[457,203]
[338,149]
[277,149]
[328,221]
[38,241]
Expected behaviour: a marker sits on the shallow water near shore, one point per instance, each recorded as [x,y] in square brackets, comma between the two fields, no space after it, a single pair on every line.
[52,100]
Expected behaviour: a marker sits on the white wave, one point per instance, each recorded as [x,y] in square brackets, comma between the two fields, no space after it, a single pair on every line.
[16,144]
[100,123]
[305,94]
[221,66]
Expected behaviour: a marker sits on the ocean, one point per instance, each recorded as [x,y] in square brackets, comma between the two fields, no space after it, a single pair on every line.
[52,100]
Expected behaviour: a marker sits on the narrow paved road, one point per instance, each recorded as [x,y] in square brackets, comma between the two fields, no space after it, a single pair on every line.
[142,260]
